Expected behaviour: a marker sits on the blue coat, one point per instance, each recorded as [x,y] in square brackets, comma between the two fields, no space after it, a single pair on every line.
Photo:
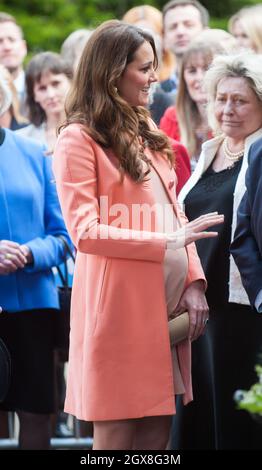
[29,214]
[247,245]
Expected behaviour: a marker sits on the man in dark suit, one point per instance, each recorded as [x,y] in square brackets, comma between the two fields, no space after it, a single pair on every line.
[247,245]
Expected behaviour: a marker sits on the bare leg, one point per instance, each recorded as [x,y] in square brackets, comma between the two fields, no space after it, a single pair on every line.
[114,435]
[35,431]
[152,433]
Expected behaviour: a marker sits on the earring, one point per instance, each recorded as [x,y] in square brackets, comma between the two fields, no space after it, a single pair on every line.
[115,89]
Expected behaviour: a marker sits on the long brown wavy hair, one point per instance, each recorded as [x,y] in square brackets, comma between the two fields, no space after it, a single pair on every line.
[188,114]
[94,101]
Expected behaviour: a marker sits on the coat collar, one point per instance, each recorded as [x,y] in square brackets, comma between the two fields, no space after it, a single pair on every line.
[166,173]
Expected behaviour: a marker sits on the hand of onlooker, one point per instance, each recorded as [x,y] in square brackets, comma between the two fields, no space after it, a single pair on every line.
[28,253]
[11,257]
[194,230]
[194,301]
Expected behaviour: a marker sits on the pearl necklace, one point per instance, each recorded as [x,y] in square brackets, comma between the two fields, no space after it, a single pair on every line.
[233,156]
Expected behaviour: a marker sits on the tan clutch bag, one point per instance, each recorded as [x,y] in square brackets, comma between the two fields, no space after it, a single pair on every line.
[178,328]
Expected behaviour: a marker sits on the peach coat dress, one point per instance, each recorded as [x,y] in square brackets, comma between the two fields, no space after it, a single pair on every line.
[120,363]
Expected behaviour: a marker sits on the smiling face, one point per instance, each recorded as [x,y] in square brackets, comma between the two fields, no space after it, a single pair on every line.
[237,108]
[194,72]
[135,82]
[50,92]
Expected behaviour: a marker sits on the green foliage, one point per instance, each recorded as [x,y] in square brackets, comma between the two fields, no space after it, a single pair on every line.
[50,22]
[220,8]
[251,400]
[46,23]
[116,7]
[220,23]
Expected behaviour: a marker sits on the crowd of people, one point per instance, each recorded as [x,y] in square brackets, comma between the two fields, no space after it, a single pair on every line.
[139,145]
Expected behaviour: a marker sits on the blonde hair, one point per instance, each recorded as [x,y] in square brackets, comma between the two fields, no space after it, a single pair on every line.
[233,19]
[251,20]
[148,13]
[74,44]
[245,64]
[219,36]
[187,112]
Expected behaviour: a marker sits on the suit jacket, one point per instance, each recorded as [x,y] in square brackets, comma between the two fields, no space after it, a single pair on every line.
[247,245]
[119,360]
[30,213]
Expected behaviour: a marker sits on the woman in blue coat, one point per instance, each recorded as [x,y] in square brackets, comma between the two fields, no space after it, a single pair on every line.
[31,223]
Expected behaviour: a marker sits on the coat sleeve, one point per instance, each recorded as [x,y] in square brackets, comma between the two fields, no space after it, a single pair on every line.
[76,177]
[245,247]
[48,251]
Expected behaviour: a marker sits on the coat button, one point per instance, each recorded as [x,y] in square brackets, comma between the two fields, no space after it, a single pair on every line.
[171,184]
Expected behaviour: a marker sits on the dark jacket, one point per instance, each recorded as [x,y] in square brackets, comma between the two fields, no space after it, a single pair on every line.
[247,245]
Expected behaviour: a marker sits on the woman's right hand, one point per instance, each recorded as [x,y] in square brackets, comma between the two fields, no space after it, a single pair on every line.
[11,257]
[194,230]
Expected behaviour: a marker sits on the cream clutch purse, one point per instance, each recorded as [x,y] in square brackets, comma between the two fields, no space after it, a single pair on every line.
[178,328]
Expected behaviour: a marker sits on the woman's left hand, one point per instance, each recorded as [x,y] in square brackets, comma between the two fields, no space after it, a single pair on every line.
[11,257]
[194,301]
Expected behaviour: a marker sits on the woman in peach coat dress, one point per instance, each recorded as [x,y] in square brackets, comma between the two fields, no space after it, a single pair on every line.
[110,161]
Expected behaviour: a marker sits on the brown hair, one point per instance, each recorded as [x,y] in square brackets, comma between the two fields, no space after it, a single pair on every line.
[94,101]
[187,111]
[154,17]
[38,66]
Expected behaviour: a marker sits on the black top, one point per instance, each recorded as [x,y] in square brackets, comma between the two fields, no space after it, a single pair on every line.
[161,101]
[2,135]
[214,192]
[223,358]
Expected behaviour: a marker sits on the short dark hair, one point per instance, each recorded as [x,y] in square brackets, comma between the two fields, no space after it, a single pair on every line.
[6,18]
[38,66]
[204,15]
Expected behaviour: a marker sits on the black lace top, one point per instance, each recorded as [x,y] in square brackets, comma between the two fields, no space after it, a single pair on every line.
[214,192]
